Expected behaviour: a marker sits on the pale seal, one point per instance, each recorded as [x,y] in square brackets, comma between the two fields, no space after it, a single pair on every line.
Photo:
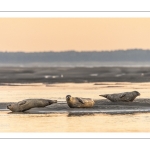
[124,97]
[78,102]
[27,104]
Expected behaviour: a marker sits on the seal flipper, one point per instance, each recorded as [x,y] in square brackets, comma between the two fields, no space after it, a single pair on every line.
[22,102]
[122,95]
[104,95]
[80,100]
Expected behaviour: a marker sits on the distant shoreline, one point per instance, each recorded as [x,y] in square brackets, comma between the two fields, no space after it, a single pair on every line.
[86,64]
[131,57]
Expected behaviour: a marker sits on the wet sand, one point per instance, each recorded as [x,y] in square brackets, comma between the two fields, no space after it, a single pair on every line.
[73,74]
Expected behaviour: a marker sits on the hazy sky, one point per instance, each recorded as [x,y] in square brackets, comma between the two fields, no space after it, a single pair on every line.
[60,34]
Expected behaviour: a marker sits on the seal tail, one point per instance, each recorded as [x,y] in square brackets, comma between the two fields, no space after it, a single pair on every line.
[104,95]
[52,101]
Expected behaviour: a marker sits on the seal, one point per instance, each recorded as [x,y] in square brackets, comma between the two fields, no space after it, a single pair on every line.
[124,97]
[78,102]
[27,104]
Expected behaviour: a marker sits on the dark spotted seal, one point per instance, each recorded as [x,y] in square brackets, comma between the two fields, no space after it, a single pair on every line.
[124,97]
[78,102]
[29,103]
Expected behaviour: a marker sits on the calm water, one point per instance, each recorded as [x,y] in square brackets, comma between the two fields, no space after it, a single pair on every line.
[67,123]
[139,122]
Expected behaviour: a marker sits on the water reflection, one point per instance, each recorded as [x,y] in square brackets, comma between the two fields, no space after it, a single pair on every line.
[18,113]
[79,114]
[122,113]
[74,122]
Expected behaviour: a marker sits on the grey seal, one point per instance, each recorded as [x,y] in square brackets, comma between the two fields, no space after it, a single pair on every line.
[78,102]
[124,97]
[27,104]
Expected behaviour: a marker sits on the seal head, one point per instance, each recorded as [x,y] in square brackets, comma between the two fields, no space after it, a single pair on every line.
[13,107]
[68,97]
[137,93]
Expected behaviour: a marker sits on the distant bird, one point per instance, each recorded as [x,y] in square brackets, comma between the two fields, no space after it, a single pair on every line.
[78,102]
[27,104]
[124,97]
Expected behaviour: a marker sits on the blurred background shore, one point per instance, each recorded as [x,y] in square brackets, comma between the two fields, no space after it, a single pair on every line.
[73,74]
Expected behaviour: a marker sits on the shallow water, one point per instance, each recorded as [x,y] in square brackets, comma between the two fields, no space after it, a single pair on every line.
[74,123]
[93,122]
[17,92]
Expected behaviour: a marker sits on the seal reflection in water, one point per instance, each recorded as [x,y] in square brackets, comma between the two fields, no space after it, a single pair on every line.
[78,102]
[29,103]
[124,97]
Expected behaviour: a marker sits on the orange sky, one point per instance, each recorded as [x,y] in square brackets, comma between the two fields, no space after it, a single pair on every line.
[60,34]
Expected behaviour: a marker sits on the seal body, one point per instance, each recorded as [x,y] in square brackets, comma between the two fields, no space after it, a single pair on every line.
[27,104]
[124,97]
[78,102]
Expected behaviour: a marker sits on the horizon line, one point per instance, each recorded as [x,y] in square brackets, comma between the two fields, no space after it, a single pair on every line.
[74,51]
